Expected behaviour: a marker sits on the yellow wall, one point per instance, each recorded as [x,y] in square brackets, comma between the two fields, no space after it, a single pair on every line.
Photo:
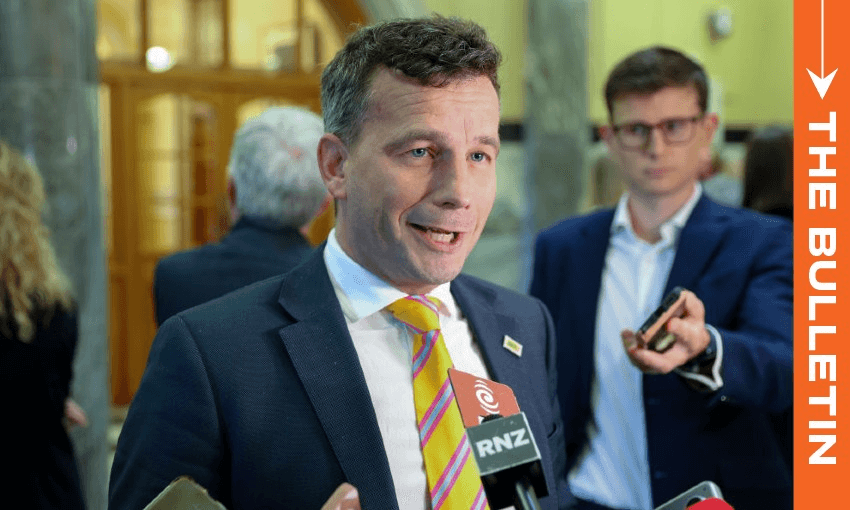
[752,66]
[504,21]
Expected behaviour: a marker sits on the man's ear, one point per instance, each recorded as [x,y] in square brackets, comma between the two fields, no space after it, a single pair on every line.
[231,200]
[606,134]
[711,123]
[332,155]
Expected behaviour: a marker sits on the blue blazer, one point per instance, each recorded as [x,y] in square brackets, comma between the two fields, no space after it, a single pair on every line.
[739,264]
[260,398]
[252,251]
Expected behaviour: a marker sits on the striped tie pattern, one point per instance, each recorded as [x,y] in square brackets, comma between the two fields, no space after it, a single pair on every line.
[453,479]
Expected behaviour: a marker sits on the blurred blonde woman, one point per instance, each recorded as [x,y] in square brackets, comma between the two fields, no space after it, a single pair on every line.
[38,335]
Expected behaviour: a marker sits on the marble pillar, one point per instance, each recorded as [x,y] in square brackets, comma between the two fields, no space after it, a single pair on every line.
[557,133]
[49,111]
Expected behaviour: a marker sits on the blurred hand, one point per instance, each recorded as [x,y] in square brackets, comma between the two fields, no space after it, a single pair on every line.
[75,414]
[691,339]
[345,497]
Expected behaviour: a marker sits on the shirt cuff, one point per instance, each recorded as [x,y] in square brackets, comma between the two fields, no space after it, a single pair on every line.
[715,381]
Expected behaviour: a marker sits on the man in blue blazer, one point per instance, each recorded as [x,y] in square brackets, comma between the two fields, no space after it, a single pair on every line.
[643,426]
[274,190]
[282,393]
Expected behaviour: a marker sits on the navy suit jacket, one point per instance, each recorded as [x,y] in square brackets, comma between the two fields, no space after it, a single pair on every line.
[252,251]
[259,396]
[739,264]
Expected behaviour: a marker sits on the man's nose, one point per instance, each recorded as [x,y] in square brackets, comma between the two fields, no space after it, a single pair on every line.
[454,183]
[655,142]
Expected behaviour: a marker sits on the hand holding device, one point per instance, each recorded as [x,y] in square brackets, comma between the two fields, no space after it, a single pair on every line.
[678,327]
[653,333]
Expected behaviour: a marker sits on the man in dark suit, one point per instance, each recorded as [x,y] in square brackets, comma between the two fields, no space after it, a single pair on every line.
[277,394]
[274,190]
[643,426]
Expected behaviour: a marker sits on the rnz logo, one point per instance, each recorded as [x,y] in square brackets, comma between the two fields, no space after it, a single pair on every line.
[486,398]
[507,441]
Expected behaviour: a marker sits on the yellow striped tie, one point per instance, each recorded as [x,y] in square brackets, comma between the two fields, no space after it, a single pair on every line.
[453,479]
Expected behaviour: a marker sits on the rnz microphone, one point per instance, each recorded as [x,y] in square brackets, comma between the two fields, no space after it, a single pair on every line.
[509,461]
[504,449]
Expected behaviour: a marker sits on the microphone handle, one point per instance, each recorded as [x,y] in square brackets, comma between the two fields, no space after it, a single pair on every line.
[524,496]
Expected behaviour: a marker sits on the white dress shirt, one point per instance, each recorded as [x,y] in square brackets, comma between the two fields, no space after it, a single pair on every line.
[613,469]
[384,347]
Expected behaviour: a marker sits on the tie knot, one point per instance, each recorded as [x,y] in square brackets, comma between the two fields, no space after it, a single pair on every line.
[419,312]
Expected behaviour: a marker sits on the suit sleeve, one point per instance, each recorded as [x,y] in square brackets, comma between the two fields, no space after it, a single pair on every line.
[758,343]
[172,428]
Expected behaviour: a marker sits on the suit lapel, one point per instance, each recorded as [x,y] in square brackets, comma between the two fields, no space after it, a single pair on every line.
[697,244]
[490,320]
[586,278]
[584,283]
[324,357]
[489,328]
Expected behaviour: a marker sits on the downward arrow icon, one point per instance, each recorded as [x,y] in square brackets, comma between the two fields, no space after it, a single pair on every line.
[821,82]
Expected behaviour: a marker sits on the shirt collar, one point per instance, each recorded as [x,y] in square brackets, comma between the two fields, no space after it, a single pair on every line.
[361,293]
[669,229]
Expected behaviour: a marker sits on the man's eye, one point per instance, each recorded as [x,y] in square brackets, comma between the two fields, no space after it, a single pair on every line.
[637,129]
[478,157]
[672,126]
[419,152]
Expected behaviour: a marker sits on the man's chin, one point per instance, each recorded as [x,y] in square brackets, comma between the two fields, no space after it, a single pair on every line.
[426,279]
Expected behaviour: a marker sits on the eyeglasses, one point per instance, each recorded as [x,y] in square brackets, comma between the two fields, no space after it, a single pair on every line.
[635,135]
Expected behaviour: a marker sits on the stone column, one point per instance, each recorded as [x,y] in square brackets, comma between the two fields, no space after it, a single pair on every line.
[49,111]
[557,132]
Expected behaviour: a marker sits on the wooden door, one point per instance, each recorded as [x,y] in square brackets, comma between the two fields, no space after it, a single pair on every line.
[167,131]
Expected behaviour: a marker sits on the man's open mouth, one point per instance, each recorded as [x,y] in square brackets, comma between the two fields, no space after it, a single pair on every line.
[436,234]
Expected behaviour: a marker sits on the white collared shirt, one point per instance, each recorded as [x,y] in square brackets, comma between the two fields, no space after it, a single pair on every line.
[384,348]
[613,469]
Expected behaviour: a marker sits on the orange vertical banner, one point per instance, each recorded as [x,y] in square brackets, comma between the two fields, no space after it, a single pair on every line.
[821,239]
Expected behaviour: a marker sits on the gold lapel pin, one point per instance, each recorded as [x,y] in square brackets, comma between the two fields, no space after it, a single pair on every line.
[512,345]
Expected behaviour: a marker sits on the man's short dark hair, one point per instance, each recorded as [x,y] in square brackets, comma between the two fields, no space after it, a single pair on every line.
[433,51]
[653,69]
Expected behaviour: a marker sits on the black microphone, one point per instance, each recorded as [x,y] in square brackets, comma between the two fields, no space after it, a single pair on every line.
[509,461]
[503,446]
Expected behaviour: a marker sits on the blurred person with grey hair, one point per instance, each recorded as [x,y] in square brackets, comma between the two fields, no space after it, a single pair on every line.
[274,190]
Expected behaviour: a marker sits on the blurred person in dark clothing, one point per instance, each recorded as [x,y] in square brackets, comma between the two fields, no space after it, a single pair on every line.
[643,426]
[769,171]
[275,190]
[38,335]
